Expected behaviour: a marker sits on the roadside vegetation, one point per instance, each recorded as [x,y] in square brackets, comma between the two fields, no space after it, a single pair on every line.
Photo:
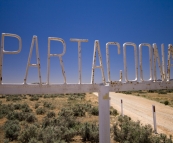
[128,131]
[162,96]
[65,118]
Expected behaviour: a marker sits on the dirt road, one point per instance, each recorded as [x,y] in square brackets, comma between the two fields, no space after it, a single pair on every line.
[139,108]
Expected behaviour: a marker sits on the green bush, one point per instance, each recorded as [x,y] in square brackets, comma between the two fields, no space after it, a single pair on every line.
[21,116]
[94,111]
[161,138]
[72,97]
[34,98]
[5,109]
[162,92]
[66,117]
[127,92]
[12,115]
[31,131]
[170,90]
[55,95]
[24,97]
[58,134]
[40,111]
[113,112]
[33,140]
[6,141]
[79,110]
[47,96]
[76,96]
[25,108]
[48,105]
[166,102]
[129,131]
[63,128]
[12,129]
[65,112]
[31,118]
[17,106]
[36,105]
[151,91]
[51,114]
[90,132]
[13,97]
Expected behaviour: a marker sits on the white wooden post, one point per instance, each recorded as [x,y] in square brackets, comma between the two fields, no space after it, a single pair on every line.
[122,108]
[154,119]
[104,114]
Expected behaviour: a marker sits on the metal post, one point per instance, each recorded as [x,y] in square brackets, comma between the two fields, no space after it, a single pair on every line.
[122,108]
[154,119]
[104,114]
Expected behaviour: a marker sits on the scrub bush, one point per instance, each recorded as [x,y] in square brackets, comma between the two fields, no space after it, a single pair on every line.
[94,111]
[51,114]
[79,110]
[40,111]
[47,96]
[13,97]
[113,112]
[48,105]
[5,109]
[12,129]
[31,118]
[36,105]
[31,131]
[25,108]
[17,106]
[34,98]
[127,131]
[90,132]
[162,92]
[127,92]
[166,102]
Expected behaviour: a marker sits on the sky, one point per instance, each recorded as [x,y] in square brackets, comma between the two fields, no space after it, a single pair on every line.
[107,21]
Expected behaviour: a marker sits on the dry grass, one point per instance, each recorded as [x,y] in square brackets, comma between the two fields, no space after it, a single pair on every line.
[156,96]
[58,103]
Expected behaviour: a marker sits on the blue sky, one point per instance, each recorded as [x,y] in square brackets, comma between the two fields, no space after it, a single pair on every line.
[107,21]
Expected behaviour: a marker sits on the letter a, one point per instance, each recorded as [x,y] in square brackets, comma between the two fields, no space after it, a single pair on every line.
[97,47]
[29,59]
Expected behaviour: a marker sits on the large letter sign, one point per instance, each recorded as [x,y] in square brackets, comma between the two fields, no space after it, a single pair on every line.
[104,88]
[123,84]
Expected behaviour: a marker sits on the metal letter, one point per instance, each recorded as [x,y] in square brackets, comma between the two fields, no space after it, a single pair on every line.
[108,60]
[156,56]
[136,60]
[97,47]
[2,51]
[79,56]
[29,59]
[170,52]
[151,61]
[163,61]
[56,55]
